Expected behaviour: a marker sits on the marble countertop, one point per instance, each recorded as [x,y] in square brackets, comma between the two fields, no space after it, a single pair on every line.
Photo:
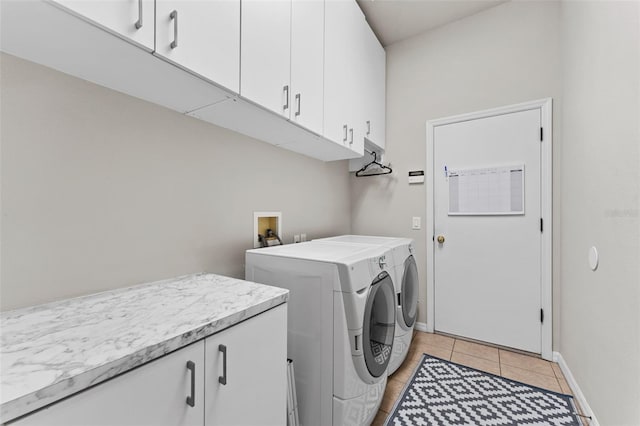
[50,351]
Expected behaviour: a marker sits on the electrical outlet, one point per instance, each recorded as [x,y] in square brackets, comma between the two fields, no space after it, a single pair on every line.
[303,237]
[296,238]
[415,224]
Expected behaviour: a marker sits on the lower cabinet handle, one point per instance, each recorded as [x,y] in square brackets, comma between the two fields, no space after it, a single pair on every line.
[223,379]
[345,133]
[174,15]
[191,399]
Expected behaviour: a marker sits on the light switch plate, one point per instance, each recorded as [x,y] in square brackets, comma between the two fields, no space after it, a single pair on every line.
[415,223]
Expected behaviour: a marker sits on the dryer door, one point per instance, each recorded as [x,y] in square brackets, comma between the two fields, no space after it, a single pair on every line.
[379,325]
[409,295]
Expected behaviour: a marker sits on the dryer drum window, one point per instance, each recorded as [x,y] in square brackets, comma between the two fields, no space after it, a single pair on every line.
[410,292]
[379,325]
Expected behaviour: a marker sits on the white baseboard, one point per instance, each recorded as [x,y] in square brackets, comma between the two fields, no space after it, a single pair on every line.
[584,405]
[421,326]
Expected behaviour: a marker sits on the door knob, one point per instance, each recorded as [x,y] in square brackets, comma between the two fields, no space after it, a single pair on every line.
[441,239]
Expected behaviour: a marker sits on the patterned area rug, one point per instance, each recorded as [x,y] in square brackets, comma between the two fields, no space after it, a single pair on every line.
[444,393]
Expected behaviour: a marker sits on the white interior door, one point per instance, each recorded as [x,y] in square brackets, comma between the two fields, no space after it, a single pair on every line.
[488,267]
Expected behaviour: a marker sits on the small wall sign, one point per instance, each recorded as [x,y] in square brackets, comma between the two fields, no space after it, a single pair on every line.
[416,176]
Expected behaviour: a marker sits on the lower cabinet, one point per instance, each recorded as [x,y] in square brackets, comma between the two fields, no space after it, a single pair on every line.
[153,394]
[235,377]
[246,373]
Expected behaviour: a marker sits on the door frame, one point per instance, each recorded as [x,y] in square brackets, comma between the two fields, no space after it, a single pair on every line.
[546,111]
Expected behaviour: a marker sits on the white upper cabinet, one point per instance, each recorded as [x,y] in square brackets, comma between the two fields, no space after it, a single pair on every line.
[133,19]
[343,20]
[354,78]
[310,73]
[202,36]
[307,59]
[266,54]
[282,58]
[373,79]
[50,34]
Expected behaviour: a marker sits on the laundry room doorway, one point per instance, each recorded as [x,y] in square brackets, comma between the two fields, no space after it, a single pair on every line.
[489,226]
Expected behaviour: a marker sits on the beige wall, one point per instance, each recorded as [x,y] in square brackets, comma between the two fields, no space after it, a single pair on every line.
[101,190]
[600,320]
[505,55]
[586,56]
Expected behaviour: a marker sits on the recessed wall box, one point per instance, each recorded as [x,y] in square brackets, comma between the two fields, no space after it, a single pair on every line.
[267,229]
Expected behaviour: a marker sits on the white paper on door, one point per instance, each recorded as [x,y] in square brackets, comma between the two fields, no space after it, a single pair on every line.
[487,191]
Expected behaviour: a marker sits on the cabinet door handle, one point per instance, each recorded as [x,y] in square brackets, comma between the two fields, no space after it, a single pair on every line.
[368,128]
[285,105]
[191,399]
[223,379]
[351,137]
[139,22]
[345,133]
[298,101]
[174,15]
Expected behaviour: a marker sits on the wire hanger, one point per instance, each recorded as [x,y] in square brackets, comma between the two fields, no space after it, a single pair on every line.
[374,168]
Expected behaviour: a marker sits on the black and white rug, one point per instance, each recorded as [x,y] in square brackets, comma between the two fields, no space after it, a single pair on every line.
[444,393]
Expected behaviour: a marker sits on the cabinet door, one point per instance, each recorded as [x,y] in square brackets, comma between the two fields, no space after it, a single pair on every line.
[379,102]
[154,394]
[202,36]
[266,54]
[373,91]
[132,19]
[307,59]
[252,390]
[342,31]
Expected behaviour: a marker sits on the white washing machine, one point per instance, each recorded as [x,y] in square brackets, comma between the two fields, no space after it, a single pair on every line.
[341,325]
[406,287]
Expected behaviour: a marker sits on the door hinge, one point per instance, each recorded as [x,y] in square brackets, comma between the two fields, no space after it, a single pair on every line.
[541,315]
[541,134]
[541,225]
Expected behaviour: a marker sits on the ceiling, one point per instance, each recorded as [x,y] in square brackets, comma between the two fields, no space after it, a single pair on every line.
[395,20]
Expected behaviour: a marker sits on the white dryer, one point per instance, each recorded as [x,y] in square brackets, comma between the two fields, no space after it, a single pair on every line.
[341,325]
[406,287]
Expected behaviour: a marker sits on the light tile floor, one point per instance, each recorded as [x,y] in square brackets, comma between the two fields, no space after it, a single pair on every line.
[505,363]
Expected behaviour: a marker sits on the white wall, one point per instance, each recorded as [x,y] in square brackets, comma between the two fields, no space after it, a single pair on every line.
[102,190]
[600,320]
[505,55]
